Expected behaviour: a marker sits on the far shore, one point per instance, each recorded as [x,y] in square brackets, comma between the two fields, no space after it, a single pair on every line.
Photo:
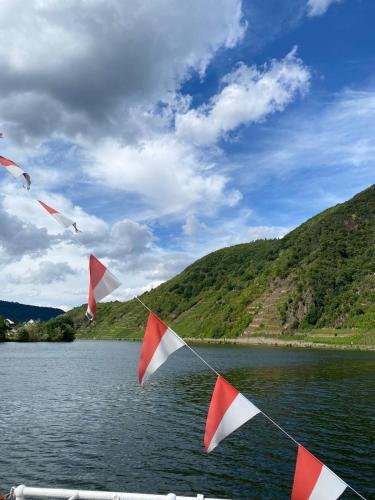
[259,341]
[248,341]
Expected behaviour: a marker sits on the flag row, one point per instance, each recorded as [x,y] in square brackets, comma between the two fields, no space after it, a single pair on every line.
[102,282]
[229,410]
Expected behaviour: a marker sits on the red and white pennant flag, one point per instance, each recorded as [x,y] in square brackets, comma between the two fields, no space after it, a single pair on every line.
[15,170]
[229,409]
[60,218]
[313,480]
[102,283]
[159,342]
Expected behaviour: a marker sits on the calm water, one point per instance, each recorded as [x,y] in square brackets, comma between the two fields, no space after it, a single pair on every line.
[73,415]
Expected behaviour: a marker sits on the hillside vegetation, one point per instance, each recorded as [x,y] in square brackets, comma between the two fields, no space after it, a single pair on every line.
[59,329]
[319,279]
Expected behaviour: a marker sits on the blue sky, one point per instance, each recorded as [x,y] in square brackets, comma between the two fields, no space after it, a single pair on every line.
[168,130]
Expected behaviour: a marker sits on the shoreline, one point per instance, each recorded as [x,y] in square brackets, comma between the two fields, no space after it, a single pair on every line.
[272,342]
[257,341]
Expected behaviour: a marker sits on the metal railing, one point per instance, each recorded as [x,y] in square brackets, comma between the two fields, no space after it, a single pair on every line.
[22,491]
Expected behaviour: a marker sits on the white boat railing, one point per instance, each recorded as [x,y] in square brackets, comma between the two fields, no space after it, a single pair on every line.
[22,491]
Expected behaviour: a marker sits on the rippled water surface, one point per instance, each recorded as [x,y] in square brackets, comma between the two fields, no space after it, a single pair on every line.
[73,415]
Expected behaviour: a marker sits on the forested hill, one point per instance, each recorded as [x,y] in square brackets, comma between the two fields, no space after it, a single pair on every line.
[22,312]
[322,274]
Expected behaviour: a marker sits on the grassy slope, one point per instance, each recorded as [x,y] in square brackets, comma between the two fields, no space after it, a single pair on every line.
[210,296]
[320,276]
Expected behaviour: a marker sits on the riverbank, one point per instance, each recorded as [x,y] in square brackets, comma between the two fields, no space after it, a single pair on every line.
[270,341]
[321,339]
[278,342]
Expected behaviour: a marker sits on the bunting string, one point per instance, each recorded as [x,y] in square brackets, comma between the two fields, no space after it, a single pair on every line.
[186,344]
[102,282]
[291,438]
[229,409]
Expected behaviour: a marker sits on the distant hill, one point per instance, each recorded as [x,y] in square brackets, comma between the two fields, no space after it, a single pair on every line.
[321,275]
[22,312]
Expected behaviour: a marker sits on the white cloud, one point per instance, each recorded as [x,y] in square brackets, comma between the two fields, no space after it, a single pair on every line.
[193,226]
[33,278]
[19,237]
[249,95]
[130,238]
[341,135]
[319,7]
[228,232]
[168,175]
[168,171]
[87,64]
[47,272]
[154,267]
[124,240]
[199,237]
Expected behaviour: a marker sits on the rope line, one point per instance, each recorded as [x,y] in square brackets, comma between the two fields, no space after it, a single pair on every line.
[261,411]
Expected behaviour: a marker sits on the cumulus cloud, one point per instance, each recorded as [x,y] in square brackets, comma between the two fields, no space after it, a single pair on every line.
[211,234]
[169,171]
[123,240]
[249,95]
[168,175]
[85,64]
[193,226]
[235,231]
[46,273]
[19,238]
[129,237]
[319,7]
[155,267]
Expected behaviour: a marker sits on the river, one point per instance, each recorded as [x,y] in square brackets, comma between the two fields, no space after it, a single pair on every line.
[74,416]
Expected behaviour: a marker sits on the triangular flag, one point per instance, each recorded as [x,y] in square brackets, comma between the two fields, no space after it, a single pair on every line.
[102,283]
[61,219]
[159,342]
[15,170]
[313,480]
[229,409]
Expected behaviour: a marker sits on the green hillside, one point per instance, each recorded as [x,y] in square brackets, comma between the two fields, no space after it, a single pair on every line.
[317,280]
